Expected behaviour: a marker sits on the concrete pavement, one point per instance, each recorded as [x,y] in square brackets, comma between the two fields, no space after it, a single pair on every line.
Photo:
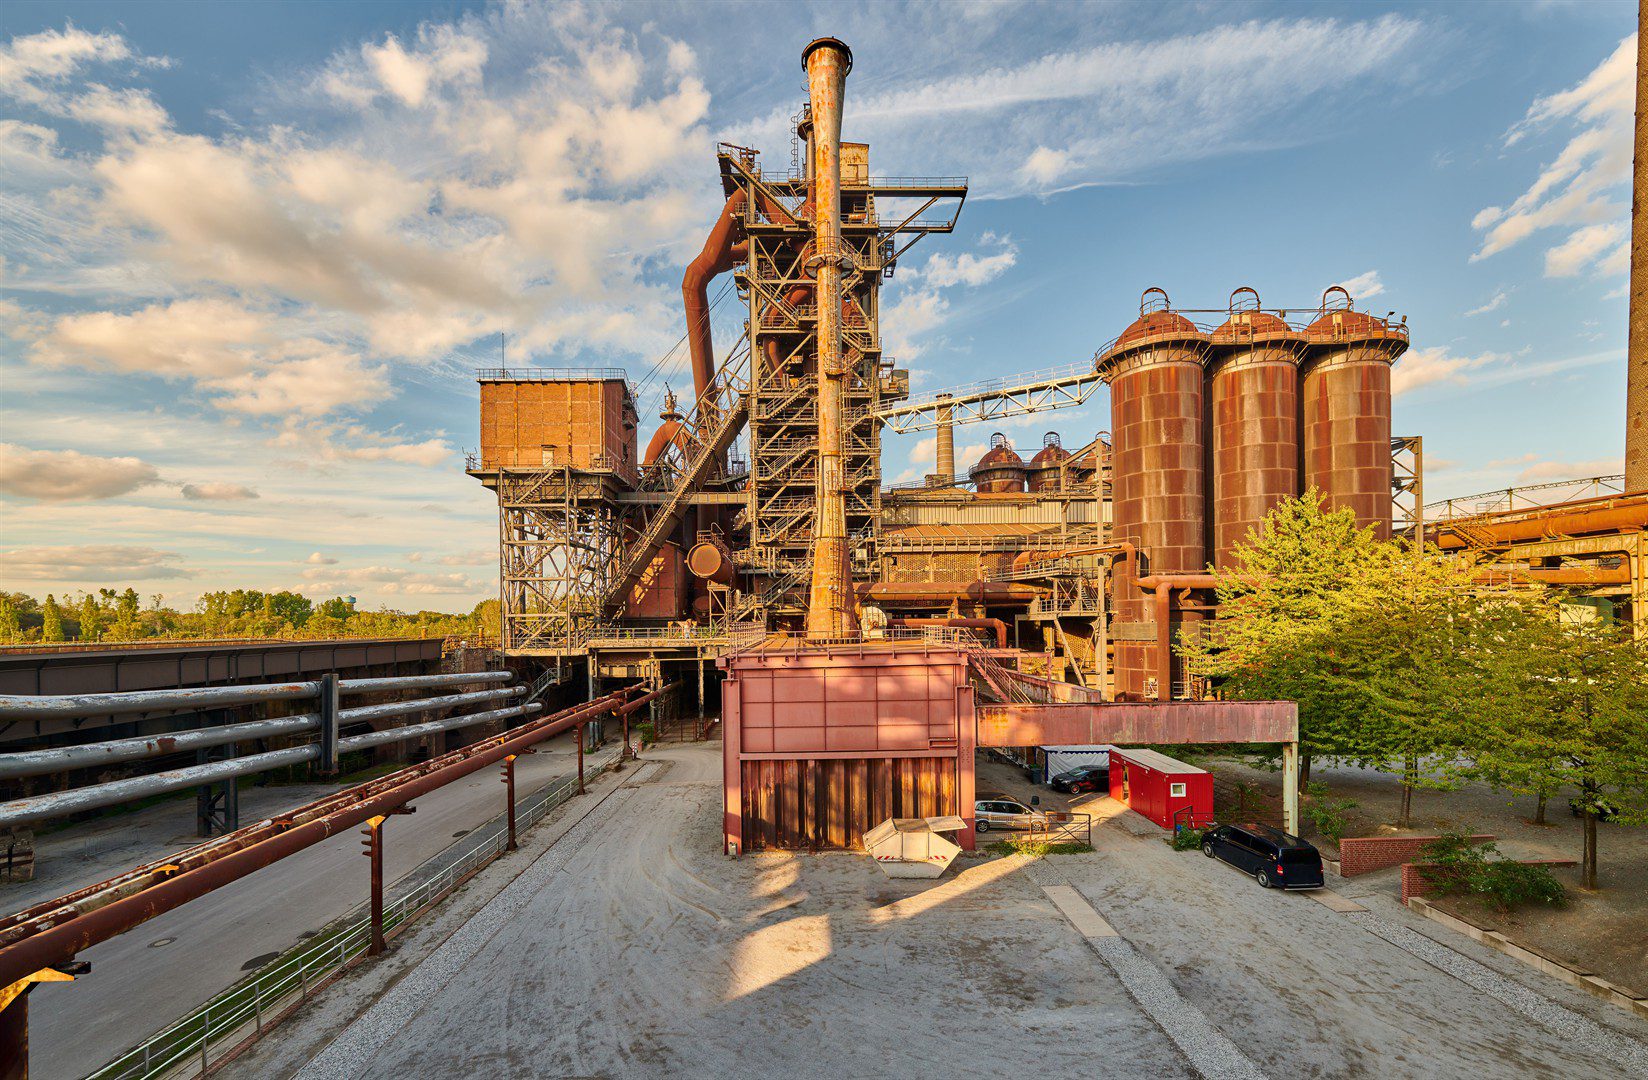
[631,947]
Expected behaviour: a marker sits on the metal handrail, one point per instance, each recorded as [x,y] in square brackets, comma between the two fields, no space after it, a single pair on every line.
[540,374]
[244,1011]
[1503,500]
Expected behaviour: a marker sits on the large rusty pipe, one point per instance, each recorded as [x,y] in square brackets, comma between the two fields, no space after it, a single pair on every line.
[1608,515]
[718,256]
[75,800]
[668,432]
[192,698]
[998,626]
[983,592]
[709,560]
[1029,557]
[67,931]
[1636,345]
[22,923]
[830,608]
[1163,585]
[67,706]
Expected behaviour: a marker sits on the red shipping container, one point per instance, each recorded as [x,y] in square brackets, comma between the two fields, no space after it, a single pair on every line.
[1166,791]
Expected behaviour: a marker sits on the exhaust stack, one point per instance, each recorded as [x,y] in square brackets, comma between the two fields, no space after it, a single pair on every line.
[1636,350]
[830,609]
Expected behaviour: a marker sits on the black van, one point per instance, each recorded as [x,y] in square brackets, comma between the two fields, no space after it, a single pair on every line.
[1277,860]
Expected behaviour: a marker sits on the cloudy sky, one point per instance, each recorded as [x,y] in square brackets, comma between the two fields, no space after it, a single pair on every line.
[250,254]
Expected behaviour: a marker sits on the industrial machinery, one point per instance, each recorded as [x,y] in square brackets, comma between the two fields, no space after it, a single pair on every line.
[1086,559]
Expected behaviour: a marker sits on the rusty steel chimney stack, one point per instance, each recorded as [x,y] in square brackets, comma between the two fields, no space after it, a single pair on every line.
[1636,345]
[830,609]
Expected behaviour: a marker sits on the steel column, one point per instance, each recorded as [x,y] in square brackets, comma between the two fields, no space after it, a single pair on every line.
[374,851]
[507,766]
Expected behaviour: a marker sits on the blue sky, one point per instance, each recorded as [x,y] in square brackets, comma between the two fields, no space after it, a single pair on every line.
[252,252]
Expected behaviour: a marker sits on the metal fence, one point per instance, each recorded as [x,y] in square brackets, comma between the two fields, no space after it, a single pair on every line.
[239,1015]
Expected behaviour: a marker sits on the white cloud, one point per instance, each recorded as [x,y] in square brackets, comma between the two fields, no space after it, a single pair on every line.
[218,492]
[1111,111]
[440,56]
[1364,286]
[53,55]
[65,475]
[1581,189]
[317,559]
[1543,471]
[393,580]
[102,564]
[238,356]
[1589,246]
[1426,367]
[1498,301]
[921,307]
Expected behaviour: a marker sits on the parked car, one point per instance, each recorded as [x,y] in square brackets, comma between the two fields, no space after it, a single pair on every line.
[1085,778]
[1277,860]
[1005,813]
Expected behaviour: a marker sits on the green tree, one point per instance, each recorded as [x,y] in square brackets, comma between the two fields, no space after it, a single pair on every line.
[1556,704]
[51,628]
[1359,631]
[127,625]
[91,619]
[11,626]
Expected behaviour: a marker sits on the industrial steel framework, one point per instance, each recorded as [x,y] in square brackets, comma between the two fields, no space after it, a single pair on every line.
[777,522]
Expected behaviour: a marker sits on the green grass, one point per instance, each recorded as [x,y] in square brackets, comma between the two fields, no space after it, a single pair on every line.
[1038,848]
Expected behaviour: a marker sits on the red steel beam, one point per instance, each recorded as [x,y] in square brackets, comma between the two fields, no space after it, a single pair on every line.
[53,933]
[1138,723]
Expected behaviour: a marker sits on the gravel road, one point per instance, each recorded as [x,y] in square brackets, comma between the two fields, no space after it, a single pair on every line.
[631,947]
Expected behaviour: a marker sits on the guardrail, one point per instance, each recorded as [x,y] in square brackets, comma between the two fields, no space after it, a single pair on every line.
[240,1014]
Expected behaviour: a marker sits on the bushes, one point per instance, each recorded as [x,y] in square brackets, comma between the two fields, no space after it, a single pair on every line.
[1186,839]
[1330,816]
[1037,848]
[1458,866]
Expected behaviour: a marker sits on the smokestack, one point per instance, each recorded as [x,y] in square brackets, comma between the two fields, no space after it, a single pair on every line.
[830,610]
[947,441]
[1636,347]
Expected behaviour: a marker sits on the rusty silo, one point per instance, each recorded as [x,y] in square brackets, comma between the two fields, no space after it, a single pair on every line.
[1346,408]
[1156,372]
[1045,466]
[999,469]
[1253,390]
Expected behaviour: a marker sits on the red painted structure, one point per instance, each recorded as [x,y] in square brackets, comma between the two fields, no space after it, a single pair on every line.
[823,744]
[1160,788]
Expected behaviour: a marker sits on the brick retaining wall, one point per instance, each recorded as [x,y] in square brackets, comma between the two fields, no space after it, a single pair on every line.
[1365,854]
[1418,881]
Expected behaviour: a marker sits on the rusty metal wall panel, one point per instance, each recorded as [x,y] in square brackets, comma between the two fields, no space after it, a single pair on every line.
[1158,483]
[1346,431]
[829,804]
[1146,723]
[1255,436]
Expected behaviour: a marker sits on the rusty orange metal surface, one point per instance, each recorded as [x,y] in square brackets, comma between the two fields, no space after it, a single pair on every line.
[1253,406]
[830,609]
[1158,479]
[786,714]
[1141,723]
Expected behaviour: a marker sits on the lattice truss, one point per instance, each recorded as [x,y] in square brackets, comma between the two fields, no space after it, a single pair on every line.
[783,434]
[559,542]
